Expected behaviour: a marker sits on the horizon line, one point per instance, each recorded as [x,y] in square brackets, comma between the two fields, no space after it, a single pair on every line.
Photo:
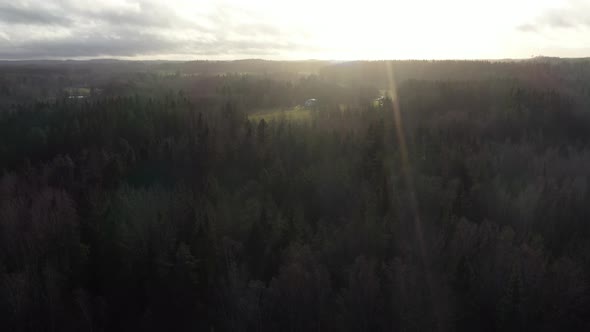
[124,59]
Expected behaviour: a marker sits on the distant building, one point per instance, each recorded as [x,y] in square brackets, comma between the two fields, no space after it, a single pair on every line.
[380,101]
[310,103]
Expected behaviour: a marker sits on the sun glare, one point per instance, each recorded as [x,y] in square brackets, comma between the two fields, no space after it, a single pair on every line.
[375,29]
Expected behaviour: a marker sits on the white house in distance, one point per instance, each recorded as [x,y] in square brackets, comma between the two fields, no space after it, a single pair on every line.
[379,101]
[310,103]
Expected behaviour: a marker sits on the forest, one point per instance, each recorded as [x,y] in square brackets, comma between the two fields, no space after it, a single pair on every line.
[415,196]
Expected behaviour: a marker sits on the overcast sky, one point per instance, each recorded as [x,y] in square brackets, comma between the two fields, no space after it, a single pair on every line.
[297,29]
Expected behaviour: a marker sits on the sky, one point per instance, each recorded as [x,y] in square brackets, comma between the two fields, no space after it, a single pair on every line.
[293,30]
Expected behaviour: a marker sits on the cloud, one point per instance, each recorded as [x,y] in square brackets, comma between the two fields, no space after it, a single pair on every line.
[527,27]
[130,43]
[142,15]
[14,14]
[573,14]
[74,29]
[89,46]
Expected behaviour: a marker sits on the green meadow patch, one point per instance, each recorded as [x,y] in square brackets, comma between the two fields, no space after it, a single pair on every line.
[296,113]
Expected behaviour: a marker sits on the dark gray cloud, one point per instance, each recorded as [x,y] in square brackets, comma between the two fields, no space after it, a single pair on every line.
[90,46]
[96,46]
[14,14]
[144,14]
[129,43]
[68,29]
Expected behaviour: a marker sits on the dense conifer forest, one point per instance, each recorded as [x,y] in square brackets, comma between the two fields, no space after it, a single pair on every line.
[415,196]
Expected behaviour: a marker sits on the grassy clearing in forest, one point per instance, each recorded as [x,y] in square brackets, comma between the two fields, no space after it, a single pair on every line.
[297,113]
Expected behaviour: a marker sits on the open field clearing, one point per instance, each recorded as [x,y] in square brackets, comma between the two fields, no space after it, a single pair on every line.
[297,113]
